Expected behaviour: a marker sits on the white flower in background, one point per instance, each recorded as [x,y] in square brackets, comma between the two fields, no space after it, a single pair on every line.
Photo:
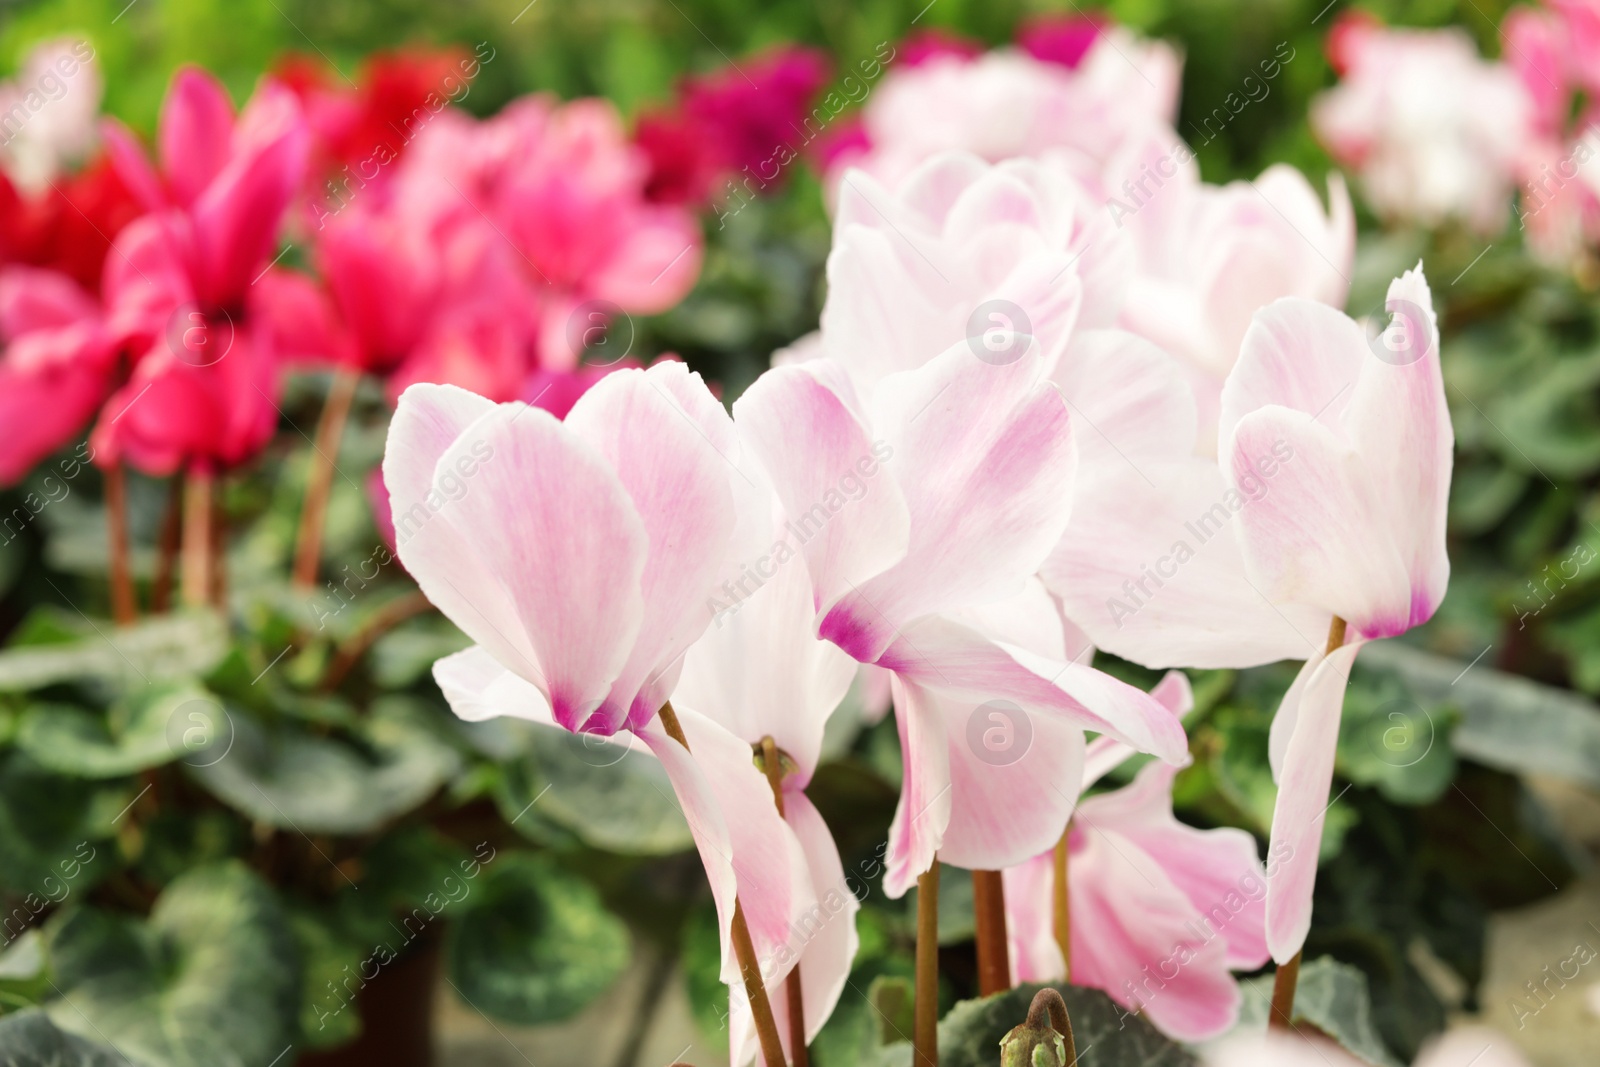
[49,112]
[1433,131]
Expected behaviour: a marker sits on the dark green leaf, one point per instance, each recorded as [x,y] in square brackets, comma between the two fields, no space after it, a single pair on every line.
[209,981]
[30,1039]
[534,943]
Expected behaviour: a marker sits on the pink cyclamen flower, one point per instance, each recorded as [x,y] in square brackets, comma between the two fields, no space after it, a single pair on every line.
[58,364]
[561,191]
[496,509]
[1061,39]
[1207,257]
[1006,103]
[966,250]
[1354,525]
[1160,912]
[1432,131]
[180,287]
[759,672]
[920,516]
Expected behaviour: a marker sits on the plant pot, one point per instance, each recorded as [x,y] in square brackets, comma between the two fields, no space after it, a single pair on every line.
[396,1014]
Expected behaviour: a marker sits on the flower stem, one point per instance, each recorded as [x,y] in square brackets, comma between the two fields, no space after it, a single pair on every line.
[794,995]
[1283,984]
[925,1028]
[1288,976]
[743,946]
[197,570]
[167,550]
[383,620]
[124,606]
[989,910]
[314,512]
[1061,912]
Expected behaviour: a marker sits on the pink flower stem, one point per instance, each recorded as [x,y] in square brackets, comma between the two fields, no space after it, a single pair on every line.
[198,569]
[744,948]
[925,1019]
[314,512]
[1288,976]
[772,764]
[989,910]
[1061,912]
[167,549]
[124,605]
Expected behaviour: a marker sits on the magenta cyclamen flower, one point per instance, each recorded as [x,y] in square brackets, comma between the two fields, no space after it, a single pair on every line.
[1160,912]
[179,285]
[579,555]
[1354,526]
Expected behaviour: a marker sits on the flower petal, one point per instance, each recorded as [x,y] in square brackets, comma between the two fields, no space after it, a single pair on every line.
[1303,801]
[815,448]
[985,457]
[679,486]
[748,850]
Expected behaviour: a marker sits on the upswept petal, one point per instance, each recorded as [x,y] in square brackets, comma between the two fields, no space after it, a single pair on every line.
[816,450]
[1014,779]
[1105,754]
[964,665]
[478,687]
[501,539]
[1298,354]
[1135,935]
[1401,427]
[925,803]
[238,215]
[985,457]
[678,484]
[1030,921]
[1321,533]
[1218,870]
[759,670]
[1303,789]
[195,133]
[1154,572]
[1129,402]
[746,847]
[825,949]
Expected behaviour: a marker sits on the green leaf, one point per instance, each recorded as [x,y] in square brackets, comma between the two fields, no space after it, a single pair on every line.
[606,795]
[163,648]
[1105,1034]
[30,1039]
[1390,742]
[209,981]
[534,943]
[1331,996]
[51,827]
[1507,722]
[296,780]
[145,729]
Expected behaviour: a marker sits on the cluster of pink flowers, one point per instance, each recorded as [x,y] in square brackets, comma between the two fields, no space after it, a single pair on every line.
[1065,395]
[1437,134]
[443,248]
